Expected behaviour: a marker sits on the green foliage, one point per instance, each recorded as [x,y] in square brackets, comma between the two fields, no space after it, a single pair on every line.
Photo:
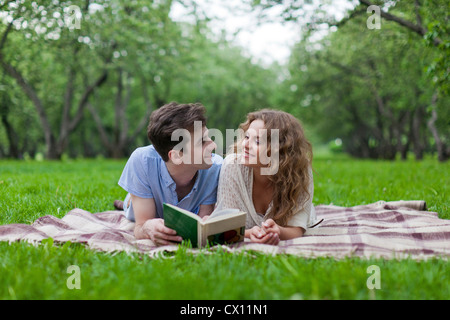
[439,68]
[383,92]
[147,60]
[368,88]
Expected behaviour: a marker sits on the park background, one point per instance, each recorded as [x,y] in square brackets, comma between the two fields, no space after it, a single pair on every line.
[79,79]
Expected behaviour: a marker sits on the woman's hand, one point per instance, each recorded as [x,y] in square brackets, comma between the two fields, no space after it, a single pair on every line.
[270,226]
[269,233]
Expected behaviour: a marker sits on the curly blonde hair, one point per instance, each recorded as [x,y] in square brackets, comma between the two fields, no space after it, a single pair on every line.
[292,179]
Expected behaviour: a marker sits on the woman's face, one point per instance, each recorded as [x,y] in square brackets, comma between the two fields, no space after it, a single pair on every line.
[254,145]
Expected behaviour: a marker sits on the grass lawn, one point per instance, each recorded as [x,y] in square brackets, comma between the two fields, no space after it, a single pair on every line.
[32,189]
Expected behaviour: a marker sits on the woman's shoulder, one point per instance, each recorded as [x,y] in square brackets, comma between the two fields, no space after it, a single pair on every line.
[232,158]
[232,164]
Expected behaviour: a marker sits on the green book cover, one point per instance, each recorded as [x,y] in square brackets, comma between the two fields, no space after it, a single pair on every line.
[186,224]
[222,227]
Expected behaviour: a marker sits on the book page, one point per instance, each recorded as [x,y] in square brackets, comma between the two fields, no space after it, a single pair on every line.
[227,228]
[218,213]
[223,215]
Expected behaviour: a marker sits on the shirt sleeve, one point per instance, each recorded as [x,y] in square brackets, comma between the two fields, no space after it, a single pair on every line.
[211,181]
[135,176]
[211,198]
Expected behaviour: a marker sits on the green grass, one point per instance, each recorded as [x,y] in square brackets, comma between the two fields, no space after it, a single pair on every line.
[29,190]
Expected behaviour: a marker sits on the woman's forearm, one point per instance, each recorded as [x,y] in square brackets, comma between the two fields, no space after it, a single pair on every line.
[285,233]
[288,233]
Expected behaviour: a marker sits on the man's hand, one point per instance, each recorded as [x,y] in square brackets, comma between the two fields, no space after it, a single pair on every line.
[148,226]
[159,233]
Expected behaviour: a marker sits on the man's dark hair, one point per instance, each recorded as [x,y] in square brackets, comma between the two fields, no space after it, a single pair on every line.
[165,120]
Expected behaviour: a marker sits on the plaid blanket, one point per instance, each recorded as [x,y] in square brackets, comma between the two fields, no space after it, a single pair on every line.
[379,230]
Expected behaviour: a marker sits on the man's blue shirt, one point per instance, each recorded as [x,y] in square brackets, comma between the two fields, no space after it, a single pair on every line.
[145,175]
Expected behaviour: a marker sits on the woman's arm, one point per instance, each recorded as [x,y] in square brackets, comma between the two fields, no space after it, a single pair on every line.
[284,233]
[205,211]
[288,233]
[258,235]
[272,233]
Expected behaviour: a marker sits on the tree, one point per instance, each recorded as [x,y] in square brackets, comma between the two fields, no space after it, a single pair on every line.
[369,85]
[427,20]
[147,55]
[90,87]
[45,48]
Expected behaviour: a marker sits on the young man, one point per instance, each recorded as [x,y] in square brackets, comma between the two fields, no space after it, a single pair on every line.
[171,171]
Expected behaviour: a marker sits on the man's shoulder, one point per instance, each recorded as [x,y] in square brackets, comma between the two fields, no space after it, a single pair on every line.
[147,152]
[217,160]
[145,160]
[214,170]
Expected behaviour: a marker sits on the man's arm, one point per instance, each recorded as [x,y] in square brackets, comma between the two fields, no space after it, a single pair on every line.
[148,226]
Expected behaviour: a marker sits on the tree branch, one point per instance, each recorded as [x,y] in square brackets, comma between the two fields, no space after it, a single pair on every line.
[100,127]
[5,35]
[31,93]
[150,108]
[85,97]
[118,105]
[125,124]
[68,97]
[417,28]
[9,27]
[342,22]
[431,123]
[417,8]
[90,89]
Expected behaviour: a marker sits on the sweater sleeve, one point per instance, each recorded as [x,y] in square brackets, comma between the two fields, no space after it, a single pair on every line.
[306,215]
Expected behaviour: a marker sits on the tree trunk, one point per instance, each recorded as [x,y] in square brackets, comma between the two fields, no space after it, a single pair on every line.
[418,147]
[442,150]
[31,93]
[12,137]
[117,144]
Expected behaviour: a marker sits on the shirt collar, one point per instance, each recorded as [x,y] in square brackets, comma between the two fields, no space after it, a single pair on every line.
[165,174]
[197,179]
[168,180]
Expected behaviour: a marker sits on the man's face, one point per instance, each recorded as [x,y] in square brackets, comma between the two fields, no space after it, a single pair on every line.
[196,147]
[202,147]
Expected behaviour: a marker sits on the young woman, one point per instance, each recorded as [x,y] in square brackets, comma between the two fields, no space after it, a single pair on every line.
[269,176]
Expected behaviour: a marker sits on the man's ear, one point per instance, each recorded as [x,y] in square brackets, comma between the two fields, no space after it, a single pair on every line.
[176,156]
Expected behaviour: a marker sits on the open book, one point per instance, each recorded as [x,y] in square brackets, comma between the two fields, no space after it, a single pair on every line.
[222,227]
